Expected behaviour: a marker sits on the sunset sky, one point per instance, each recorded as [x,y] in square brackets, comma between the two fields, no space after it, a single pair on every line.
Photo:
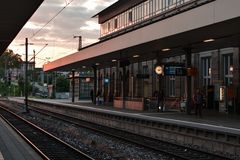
[75,19]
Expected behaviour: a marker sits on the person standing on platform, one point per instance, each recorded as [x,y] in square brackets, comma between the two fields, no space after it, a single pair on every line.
[99,96]
[91,94]
[198,102]
[161,98]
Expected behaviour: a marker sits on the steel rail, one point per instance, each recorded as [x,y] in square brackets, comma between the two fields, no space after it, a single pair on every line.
[174,150]
[44,143]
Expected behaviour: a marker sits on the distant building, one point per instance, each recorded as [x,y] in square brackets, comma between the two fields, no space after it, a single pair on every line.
[16,73]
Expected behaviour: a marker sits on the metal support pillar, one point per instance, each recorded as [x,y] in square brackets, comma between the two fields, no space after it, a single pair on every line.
[124,78]
[33,73]
[189,79]
[95,84]
[26,77]
[159,92]
[73,85]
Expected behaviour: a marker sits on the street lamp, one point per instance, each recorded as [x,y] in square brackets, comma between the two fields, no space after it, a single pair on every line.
[159,71]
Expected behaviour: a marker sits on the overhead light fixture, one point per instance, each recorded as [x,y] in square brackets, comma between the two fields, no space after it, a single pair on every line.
[208,40]
[166,49]
[97,64]
[231,68]
[209,71]
[135,56]
[114,60]
[83,66]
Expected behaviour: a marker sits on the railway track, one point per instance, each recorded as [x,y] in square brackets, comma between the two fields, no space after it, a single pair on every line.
[173,150]
[45,144]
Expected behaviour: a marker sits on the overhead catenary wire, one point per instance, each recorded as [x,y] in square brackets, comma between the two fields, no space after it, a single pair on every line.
[34,34]
[38,52]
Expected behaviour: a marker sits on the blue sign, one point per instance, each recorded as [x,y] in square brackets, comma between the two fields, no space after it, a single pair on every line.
[174,70]
[106,80]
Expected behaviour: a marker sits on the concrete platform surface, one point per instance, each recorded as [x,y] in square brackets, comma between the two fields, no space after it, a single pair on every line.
[12,146]
[209,116]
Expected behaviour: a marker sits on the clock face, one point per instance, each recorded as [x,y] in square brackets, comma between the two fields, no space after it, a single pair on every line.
[159,70]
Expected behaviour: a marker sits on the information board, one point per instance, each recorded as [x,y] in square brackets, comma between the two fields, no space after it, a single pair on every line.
[174,70]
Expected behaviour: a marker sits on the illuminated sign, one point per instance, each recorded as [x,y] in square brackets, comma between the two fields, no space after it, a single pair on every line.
[106,80]
[175,70]
[222,93]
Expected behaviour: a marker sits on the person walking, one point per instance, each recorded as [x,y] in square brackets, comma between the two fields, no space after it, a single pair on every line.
[198,102]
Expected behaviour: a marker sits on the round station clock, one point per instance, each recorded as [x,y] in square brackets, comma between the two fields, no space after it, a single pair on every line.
[159,70]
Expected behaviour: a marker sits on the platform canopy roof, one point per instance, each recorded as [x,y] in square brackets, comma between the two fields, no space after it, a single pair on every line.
[13,16]
[226,34]
[181,33]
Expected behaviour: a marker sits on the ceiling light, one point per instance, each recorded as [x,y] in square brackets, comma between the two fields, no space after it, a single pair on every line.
[166,49]
[97,64]
[135,56]
[208,40]
[83,66]
[231,68]
[114,60]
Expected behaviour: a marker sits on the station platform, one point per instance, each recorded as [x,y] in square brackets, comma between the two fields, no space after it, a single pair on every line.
[209,117]
[214,131]
[12,146]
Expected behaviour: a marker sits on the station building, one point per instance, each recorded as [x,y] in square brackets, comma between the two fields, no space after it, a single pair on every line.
[195,43]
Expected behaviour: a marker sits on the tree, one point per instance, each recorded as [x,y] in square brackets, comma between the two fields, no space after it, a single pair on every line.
[21,84]
[62,84]
[9,60]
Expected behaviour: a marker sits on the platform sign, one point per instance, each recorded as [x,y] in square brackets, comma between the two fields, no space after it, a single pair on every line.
[175,70]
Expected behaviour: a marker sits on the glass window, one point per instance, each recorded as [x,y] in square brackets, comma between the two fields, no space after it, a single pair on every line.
[109,26]
[145,69]
[228,69]
[138,13]
[206,70]
[130,16]
[172,86]
[146,9]
[116,23]
[150,7]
